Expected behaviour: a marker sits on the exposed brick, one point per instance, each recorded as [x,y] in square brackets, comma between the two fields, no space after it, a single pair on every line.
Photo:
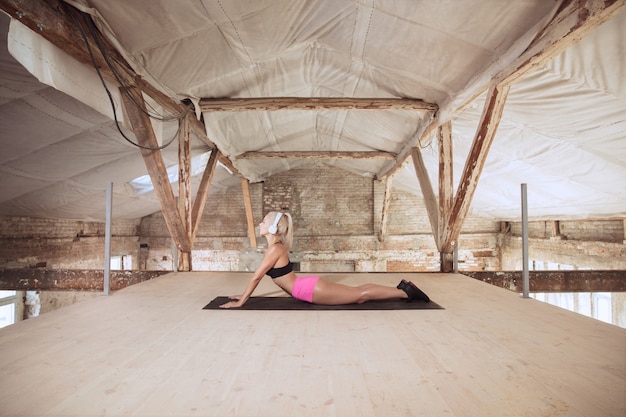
[336,219]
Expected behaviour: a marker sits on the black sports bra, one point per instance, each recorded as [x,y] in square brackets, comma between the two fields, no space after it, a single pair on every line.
[279,272]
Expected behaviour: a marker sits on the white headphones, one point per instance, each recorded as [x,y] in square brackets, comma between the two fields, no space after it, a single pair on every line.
[274,228]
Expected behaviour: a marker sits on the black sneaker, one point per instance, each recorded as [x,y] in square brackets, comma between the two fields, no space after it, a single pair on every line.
[412,291]
[402,285]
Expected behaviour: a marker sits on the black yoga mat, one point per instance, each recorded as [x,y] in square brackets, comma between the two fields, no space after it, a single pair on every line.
[289,303]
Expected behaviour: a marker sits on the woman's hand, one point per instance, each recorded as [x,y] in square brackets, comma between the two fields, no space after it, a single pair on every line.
[232,304]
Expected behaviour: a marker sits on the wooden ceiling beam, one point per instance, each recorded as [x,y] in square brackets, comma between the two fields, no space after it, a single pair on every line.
[65,27]
[318,155]
[314,103]
[575,20]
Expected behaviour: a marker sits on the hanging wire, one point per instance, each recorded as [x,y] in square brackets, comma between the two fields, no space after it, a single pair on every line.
[98,40]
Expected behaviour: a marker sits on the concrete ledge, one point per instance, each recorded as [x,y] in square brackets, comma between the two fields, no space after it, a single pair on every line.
[65,279]
[555,281]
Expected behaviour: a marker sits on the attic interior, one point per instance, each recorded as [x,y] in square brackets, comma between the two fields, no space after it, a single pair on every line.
[397,134]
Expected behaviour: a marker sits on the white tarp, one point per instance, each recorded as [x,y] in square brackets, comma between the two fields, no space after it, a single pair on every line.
[563,130]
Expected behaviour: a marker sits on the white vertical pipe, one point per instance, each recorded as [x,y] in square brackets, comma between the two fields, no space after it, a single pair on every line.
[107,239]
[525,280]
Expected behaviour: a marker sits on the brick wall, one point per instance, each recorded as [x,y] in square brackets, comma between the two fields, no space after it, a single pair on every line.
[336,223]
[570,253]
[336,218]
[61,244]
[322,201]
[581,244]
[588,230]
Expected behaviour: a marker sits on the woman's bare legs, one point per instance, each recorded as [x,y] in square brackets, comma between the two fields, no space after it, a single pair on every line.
[329,293]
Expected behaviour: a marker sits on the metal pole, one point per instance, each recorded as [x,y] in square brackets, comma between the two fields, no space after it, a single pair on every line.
[174,257]
[107,239]
[456,259]
[525,283]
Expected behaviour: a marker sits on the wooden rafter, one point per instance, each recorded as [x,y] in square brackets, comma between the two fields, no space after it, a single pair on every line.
[142,127]
[574,21]
[430,199]
[487,127]
[68,29]
[63,25]
[318,155]
[203,192]
[314,103]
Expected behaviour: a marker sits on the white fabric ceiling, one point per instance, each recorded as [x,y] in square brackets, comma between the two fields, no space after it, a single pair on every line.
[563,131]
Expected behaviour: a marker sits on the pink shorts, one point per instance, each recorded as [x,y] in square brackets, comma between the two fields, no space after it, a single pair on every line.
[303,288]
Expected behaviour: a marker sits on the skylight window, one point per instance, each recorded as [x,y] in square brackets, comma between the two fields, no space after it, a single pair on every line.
[143,184]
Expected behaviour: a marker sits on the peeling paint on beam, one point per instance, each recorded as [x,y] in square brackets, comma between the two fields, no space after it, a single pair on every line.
[314,103]
[73,280]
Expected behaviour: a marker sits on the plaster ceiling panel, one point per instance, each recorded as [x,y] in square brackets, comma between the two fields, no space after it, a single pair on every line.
[75,155]
[16,183]
[29,124]
[264,30]
[562,131]
[204,56]
[161,21]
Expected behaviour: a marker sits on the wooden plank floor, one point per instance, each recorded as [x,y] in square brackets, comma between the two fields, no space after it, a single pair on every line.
[150,350]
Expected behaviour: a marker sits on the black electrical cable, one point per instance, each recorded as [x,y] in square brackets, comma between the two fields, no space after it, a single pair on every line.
[112,102]
[95,33]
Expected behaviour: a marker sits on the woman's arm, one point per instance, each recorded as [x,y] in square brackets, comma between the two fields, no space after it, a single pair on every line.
[269,260]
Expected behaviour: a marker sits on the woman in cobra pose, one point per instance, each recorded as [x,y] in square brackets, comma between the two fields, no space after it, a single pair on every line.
[277,227]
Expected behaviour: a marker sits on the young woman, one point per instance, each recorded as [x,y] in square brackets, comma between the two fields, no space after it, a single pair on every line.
[276,227]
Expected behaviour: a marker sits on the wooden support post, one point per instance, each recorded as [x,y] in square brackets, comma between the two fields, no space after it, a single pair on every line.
[385,212]
[446,261]
[245,188]
[556,230]
[184,191]
[446,192]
